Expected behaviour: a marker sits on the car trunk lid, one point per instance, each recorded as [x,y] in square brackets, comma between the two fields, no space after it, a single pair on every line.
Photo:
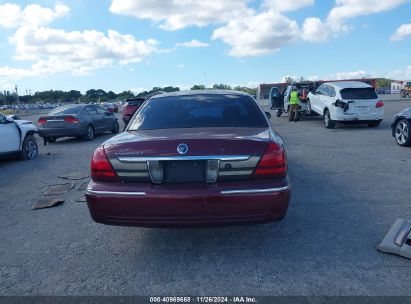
[57,121]
[360,106]
[211,154]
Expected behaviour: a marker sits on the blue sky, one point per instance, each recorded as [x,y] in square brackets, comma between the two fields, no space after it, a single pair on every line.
[138,44]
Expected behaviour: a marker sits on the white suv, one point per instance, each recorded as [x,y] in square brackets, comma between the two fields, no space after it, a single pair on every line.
[17,138]
[347,102]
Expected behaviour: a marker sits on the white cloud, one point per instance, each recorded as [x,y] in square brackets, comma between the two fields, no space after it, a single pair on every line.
[248,32]
[178,14]
[257,34]
[12,15]
[348,9]
[402,32]
[315,30]
[313,78]
[79,52]
[286,6]
[5,85]
[180,66]
[193,44]
[50,51]
[349,75]
[400,74]
[252,31]
[263,32]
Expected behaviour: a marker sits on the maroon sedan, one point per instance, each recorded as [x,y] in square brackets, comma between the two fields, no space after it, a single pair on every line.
[199,158]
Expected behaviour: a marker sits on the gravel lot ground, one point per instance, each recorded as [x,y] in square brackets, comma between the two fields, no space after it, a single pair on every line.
[349,185]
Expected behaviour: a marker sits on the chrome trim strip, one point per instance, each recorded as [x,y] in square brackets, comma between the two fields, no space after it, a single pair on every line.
[171,158]
[254,191]
[115,193]
[132,174]
[53,120]
[234,173]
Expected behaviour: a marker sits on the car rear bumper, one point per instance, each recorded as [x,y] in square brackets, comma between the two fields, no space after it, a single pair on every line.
[188,206]
[61,132]
[358,117]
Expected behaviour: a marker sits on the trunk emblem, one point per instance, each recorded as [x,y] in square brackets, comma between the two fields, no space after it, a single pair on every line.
[182,148]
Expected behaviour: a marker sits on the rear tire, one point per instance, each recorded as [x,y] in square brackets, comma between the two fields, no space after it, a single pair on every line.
[278,113]
[328,122]
[89,135]
[402,133]
[116,128]
[29,149]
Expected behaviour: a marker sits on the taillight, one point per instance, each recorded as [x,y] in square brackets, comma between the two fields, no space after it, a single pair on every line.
[42,121]
[273,164]
[101,169]
[71,119]
[379,104]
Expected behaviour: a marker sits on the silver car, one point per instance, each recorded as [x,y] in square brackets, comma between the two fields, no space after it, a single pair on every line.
[78,120]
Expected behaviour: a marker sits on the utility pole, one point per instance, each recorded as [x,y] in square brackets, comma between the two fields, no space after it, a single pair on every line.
[17,96]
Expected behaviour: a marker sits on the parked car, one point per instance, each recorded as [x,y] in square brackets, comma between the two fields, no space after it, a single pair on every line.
[303,89]
[401,127]
[195,158]
[112,107]
[131,106]
[14,117]
[383,91]
[17,138]
[347,102]
[77,120]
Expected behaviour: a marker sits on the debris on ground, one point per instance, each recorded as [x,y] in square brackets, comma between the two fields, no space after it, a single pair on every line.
[57,189]
[74,176]
[82,199]
[47,203]
[83,187]
[398,239]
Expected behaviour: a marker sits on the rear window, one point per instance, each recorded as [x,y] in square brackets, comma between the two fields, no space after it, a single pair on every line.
[67,110]
[199,111]
[359,93]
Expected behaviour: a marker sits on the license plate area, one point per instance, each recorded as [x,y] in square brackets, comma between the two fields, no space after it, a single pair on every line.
[360,109]
[182,171]
[55,124]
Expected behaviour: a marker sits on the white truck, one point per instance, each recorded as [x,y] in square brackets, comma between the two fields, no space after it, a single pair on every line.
[17,138]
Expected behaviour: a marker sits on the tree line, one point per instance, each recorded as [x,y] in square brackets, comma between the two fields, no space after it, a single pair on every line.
[99,95]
